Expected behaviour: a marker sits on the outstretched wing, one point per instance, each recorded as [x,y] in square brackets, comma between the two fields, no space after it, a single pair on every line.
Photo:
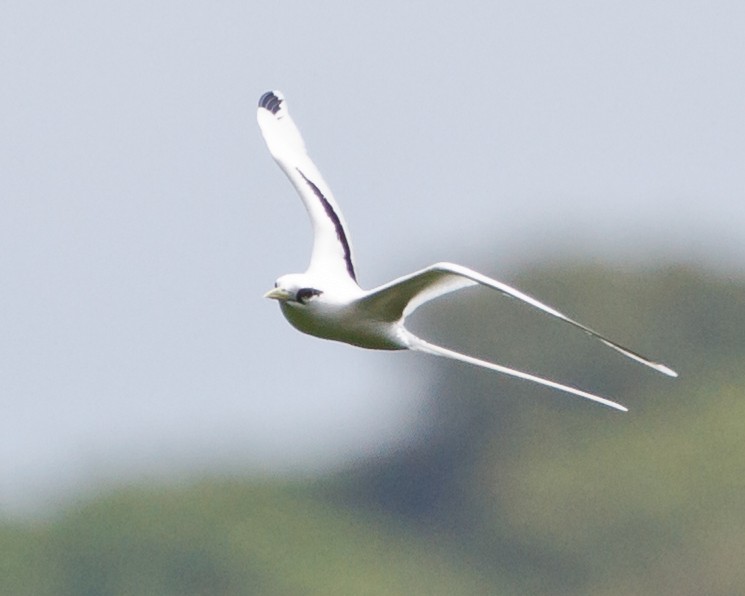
[399,298]
[332,252]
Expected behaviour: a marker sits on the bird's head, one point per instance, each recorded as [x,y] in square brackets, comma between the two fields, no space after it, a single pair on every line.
[294,289]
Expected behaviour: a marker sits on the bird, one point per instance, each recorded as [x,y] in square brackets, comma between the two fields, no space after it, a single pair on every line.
[327,302]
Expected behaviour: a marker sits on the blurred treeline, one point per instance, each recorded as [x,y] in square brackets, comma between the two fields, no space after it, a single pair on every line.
[511,489]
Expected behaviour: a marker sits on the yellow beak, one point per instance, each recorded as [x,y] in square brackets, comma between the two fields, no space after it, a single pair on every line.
[278,294]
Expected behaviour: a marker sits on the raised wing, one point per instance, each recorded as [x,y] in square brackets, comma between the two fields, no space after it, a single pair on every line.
[399,298]
[332,252]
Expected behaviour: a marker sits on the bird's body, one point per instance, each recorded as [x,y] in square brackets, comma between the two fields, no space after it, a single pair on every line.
[339,319]
[326,301]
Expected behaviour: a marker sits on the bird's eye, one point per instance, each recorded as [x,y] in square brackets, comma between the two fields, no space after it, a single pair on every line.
[304,295]
[276,284]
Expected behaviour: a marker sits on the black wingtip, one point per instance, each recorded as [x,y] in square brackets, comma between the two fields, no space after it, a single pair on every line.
[271,101]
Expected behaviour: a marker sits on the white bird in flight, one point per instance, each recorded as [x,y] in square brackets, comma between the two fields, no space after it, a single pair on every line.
[326,300]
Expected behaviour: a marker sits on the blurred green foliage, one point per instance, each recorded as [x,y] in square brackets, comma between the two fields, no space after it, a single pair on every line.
[513,489]
[227,538]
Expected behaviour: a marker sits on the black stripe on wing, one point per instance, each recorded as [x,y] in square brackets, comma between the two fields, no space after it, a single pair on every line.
[271,101]
[337,225]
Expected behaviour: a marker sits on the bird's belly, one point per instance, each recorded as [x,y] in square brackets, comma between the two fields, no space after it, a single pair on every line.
[345,327]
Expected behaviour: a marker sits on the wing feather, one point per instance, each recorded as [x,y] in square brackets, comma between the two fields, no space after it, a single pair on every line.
[399,298]
[332,251]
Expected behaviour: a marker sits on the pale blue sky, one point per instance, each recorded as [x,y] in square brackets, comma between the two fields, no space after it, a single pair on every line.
[141,218]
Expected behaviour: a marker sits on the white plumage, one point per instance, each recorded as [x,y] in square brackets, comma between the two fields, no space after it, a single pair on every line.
[326,300]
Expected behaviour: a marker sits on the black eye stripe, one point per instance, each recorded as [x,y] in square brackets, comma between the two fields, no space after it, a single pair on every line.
[305,294]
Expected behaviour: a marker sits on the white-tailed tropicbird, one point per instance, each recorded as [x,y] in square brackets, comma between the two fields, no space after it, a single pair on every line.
[326,300]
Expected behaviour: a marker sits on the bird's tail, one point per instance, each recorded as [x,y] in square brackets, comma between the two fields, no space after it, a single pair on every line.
[418,344]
